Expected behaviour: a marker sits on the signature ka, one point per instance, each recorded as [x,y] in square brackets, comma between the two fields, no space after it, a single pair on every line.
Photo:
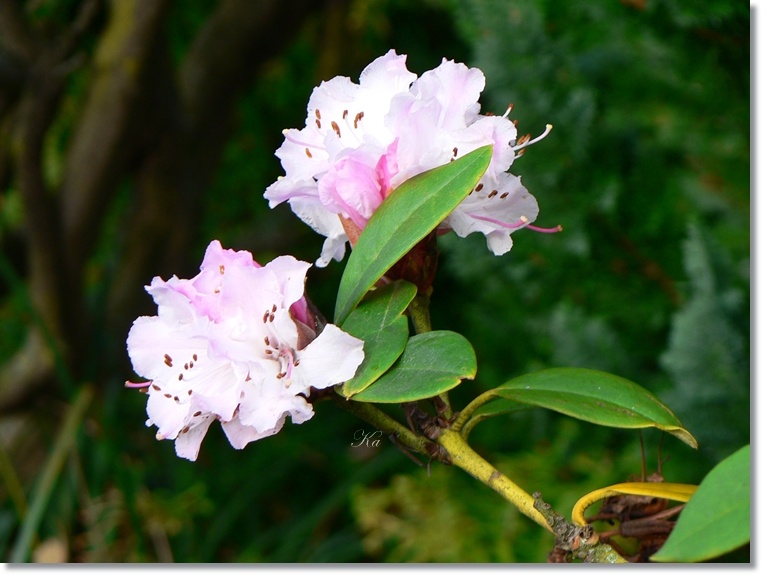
[363,438]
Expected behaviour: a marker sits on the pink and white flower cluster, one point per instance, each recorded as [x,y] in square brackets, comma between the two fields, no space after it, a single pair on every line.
[235,343]
[363,140]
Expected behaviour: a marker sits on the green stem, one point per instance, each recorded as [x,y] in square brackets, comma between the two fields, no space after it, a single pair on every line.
[472,463]
[370,413]
[468,411]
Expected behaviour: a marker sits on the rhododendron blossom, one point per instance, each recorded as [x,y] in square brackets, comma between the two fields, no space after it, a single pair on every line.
[361,141]
[235,343]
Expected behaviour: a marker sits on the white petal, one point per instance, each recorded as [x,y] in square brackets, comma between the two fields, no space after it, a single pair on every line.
[328,224]
[240,435]
[188,444]
[332,358]
[166,414]
[291,274]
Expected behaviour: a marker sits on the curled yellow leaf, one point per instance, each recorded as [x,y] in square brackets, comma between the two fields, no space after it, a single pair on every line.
[675,491]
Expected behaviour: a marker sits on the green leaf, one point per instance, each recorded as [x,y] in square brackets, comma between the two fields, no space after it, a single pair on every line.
[432,363]
[379,322]
[717,519]
[404,218]
[594,396]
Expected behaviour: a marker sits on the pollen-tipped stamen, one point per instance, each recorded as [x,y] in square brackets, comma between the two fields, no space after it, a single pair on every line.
[548,128]
[300,143]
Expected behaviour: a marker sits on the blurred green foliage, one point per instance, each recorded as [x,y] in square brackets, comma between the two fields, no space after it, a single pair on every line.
[647,169]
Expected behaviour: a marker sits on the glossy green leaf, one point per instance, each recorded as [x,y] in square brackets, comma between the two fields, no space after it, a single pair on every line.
[594,396]
[379,322]
[717,519]
[404,218]
[432,363]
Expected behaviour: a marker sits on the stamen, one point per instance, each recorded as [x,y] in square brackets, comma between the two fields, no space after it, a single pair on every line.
[492,194]
[558,228]
[345,114]
[180,377]
[274,308]
[479,187]
[317,114]
[156,387]
[137,385]
[167,360]
[359,117]
[335,127]
[508,111]
[523,221]
[503,196]
[267,314]
[167,395]
[300,143]
[222,270]
[307,151]
[317,123]
[186,366]
[267,340]
[185,429]
[197,414]
[520,144]
[195,357]
[455,152]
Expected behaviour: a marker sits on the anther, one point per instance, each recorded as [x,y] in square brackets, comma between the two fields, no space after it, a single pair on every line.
[167,395]
[177,399]
[222,270]
[296,363]
[335,127]
[167,360]
[269,351]
[317,113]
[267,340]
[197,414]
[267,314]
[515,122]
[359,117]
[186,366]
[156,387]
[274,308]
[190,392]
[307,151]
[272,317]
[345,114]
[180,377]
[195,357]
[479,187]
[508,111]
[191,365]
[492,194]
[454,152]
[317,123]
[280,375]
[503,196]
[185,429]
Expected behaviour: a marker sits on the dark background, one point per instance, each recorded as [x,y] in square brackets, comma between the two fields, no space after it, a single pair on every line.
[134,132]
